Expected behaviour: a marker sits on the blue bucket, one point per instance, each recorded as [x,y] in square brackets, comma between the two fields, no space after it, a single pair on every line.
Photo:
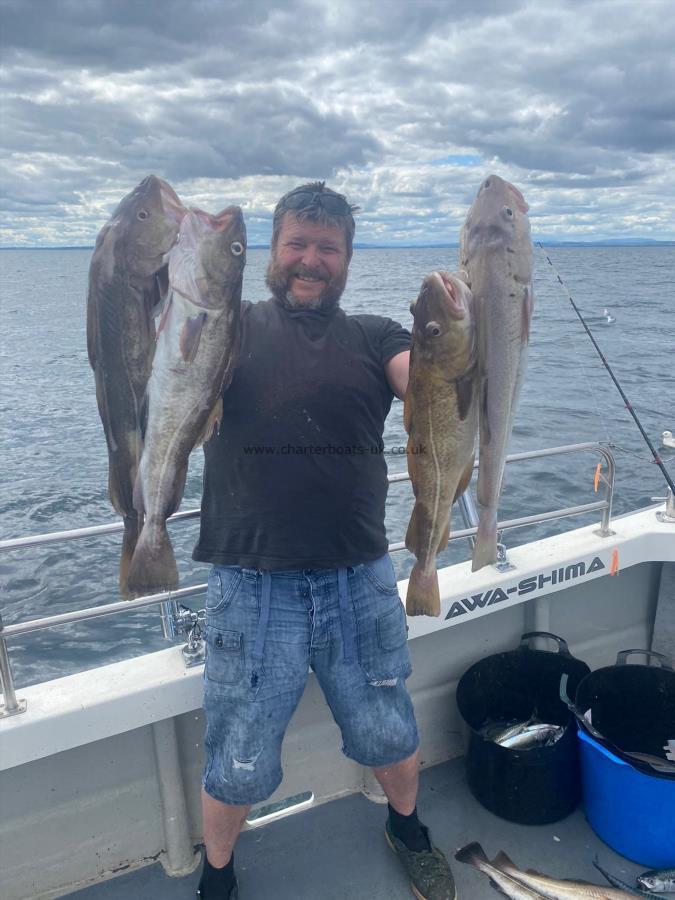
[631,811]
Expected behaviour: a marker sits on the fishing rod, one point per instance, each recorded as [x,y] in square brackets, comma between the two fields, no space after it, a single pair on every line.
[627,403]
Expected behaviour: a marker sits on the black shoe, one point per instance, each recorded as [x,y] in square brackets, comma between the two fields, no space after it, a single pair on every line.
[233,894]
[428,870]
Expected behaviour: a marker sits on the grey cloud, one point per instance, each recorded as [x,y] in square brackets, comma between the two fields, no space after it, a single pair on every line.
[565,96]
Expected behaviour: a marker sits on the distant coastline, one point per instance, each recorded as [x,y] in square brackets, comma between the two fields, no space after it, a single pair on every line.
[617,242]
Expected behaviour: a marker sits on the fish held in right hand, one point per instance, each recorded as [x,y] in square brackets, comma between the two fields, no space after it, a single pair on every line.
[441,418]
[126,278]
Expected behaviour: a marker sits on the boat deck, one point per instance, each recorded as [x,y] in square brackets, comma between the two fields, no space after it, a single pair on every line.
[337,850]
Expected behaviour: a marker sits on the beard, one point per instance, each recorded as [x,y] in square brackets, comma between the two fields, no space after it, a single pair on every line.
[278,278]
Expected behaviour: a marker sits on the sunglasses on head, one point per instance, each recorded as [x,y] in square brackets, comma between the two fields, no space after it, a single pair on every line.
[333,204]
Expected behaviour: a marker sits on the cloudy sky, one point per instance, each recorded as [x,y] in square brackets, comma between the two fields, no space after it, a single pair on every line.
[404,105]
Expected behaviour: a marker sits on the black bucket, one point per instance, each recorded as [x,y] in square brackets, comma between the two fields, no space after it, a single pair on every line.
[534,786]
[632,705]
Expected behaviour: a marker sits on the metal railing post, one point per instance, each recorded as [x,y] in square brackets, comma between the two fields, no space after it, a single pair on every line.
[11,706]
[605,530]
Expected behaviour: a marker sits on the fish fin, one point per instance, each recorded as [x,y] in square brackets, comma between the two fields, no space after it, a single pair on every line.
[122,469]
[527,315]
[485,422]
[231,364]
[132,527]
[485,548]
[161,293]
[415,525]
[419,526]
[190,336]
[465,478]
[92,332]
[412,469]
[153,565]
[212,425]
[166,309]
[464,395]
[504,862]
[407,413]
[143,414]
[423,597]
[471,854]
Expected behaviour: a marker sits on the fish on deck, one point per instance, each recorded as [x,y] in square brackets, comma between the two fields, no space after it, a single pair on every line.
[125,284]
[513,882]
[441,418]
[195,356]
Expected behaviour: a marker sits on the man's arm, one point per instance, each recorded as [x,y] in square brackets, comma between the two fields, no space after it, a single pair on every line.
[396,371]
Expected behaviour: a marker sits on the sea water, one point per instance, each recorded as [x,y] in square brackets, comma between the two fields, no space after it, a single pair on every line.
[53,455]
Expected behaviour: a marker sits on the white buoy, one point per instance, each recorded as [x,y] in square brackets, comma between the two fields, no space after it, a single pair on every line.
[667,439]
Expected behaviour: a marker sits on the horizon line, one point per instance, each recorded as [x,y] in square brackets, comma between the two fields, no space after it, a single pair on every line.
[366,245]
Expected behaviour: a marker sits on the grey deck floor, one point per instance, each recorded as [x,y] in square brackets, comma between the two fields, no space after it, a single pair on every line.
[337,851]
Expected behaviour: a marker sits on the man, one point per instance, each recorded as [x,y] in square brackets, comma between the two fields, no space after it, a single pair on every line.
[293,522]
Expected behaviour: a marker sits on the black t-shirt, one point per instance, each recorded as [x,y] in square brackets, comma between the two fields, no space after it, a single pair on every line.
[296,477]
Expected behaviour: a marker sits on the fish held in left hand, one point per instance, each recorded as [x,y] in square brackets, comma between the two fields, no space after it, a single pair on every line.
[197,344]
[441,418]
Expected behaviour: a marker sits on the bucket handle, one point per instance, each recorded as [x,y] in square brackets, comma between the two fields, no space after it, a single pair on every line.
[562,643]
[574,709]
[663,661]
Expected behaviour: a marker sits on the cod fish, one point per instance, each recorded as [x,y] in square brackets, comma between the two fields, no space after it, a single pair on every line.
[496,252]
[195,355]
[124,287]
[441,418]
[514,882]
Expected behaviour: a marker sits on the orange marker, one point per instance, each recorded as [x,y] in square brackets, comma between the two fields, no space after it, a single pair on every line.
[596,480]
[614,565]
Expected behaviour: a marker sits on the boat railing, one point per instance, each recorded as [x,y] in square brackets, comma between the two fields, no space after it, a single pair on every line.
[178,619]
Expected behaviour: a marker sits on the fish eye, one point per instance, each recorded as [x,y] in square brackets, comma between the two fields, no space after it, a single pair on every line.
[237,248]
[486,183]
[434,329]
[142,214]
[508,211]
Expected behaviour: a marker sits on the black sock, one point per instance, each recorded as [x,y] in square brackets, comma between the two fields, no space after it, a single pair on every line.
[408,829]
[216,884]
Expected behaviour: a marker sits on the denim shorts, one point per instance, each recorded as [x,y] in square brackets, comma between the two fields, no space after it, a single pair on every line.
[263,632]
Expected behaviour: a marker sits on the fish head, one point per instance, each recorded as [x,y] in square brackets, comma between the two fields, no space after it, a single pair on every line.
[497,220]
[145,225]
[443,329]
[207,263]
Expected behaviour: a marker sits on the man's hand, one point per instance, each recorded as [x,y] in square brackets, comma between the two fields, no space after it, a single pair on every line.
[396,371]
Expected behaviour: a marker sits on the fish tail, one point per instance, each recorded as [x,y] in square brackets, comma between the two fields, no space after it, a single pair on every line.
[473,855]
[132,528]
[153,566]
[503,862]
[423,596]
[485,548]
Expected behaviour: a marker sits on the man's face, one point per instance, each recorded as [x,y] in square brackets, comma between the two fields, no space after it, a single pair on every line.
[308,267]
